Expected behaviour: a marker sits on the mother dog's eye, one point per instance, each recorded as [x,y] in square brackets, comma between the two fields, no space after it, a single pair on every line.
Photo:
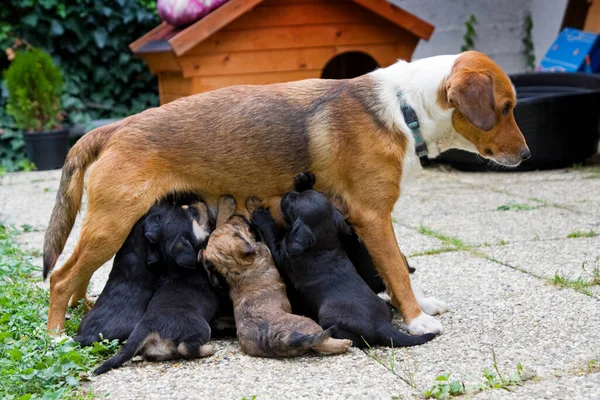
[505,109]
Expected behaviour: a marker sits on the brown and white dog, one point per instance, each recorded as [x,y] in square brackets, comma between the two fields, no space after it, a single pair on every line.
[253,140]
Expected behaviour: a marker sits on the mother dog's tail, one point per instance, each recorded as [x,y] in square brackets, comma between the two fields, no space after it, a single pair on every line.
[70,191]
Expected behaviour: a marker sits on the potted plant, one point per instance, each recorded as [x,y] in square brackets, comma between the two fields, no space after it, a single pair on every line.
[34,85]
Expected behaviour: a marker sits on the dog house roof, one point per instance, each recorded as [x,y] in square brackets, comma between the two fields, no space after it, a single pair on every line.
[168,38]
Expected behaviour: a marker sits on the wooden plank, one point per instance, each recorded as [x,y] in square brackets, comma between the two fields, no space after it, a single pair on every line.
[158,33]
[386,54]
[206,83]
[210,24]
[295,37]
[303,14]
[161,62]
[250,62]
[169,97]
[398,16]
[175,83]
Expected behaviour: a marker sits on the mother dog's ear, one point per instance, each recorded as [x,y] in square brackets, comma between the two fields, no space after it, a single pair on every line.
[299,239]
[473,94]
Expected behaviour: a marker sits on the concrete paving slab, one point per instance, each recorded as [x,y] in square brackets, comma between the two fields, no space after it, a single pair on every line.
[582,195]
[230,374]
[585,387]
[491,179]
[569,258]
[494,227]
[550,331]
[411,242]
[416,209]
[16,178]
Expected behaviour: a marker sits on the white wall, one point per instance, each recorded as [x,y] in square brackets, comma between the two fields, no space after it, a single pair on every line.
[499,31]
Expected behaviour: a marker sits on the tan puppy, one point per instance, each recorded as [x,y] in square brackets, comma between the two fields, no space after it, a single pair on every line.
[253,141]
[265,324]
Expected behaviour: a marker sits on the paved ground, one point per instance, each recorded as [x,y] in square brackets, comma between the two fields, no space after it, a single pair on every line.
[488,244]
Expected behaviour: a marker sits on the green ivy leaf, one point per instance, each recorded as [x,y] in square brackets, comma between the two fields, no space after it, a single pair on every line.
[100,36]
[30,19]
[56,28]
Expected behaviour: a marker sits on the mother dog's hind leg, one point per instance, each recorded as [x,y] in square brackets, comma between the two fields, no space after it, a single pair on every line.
[108,221]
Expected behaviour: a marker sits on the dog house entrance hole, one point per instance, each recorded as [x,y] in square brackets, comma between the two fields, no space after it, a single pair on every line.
[349,65]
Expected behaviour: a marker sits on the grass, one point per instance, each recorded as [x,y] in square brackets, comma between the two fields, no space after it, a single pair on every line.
[593,366]
[580,284]
[449,241]
[34,365]
[513,206]
[409,370]
[492,378]
[579,234]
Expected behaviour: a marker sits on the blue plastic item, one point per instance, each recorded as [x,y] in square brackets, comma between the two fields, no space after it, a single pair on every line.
[573,51]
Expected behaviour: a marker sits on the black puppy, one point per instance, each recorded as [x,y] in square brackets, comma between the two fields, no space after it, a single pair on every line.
[314,264]
[131,282]
[354,247]
[176,322]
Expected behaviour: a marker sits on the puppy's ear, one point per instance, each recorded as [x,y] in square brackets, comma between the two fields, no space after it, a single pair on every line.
[341,224]
[300,239]
[248,250]
[152,229]
[211,271]
[473,93]
[152,257]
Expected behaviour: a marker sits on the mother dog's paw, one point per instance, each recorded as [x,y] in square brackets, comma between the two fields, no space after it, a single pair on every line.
[425,324]
[432,306]
[429,305]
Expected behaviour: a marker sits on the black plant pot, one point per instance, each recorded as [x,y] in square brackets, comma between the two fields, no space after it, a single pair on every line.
[47,149]
[559,115]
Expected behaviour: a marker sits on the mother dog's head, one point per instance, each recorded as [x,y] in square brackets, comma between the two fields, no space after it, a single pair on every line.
[462,101]
[483,99]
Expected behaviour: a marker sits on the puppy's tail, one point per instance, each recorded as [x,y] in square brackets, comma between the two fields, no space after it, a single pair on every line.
[391,335]
[134,344]
[308,341]
[70,192]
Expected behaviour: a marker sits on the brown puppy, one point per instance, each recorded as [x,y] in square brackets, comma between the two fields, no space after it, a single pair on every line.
[265,324]
[253,141]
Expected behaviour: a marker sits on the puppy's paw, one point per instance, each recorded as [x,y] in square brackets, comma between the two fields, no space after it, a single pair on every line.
[206,350]
[432,306]
[252,203]
[304,181]
[425,324]
[261,216]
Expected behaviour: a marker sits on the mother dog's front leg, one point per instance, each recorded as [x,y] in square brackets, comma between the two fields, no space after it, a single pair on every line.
[376,231]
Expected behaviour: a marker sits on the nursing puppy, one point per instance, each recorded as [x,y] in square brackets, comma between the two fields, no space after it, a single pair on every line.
[265,325]
[131,282]
[176,322]
[327,286]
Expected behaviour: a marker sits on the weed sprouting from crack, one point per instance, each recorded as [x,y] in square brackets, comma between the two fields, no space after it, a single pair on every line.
[445,388]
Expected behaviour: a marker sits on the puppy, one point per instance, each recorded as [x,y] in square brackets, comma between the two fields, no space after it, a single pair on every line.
[176,322]
[131,282]
[265,325]
[314,264]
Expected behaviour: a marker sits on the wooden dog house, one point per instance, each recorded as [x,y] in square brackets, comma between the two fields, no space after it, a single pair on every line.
[269,41]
